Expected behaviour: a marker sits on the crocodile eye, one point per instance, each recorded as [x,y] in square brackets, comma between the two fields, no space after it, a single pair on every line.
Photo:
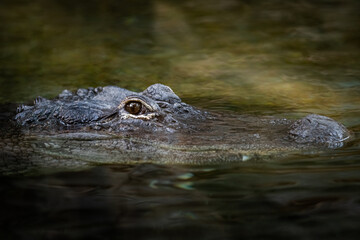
[138,107]
[133,107]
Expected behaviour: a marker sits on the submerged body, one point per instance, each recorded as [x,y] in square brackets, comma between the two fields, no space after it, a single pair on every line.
[114,125]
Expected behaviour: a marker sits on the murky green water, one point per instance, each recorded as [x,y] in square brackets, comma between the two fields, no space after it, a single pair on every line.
[284,58]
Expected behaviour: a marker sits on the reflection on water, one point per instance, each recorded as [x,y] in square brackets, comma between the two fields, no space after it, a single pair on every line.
[261,57]
[222,202]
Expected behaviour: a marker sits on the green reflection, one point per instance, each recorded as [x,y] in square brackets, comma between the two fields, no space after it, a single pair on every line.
[263,57]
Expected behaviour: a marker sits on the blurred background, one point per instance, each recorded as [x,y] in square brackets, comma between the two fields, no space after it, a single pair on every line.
[262,57]
[269,57]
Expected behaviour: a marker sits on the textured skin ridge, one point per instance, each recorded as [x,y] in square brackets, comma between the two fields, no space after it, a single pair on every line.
[89,106]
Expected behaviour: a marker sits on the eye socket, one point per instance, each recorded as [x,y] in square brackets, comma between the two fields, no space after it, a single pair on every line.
[133,107]
[138,107]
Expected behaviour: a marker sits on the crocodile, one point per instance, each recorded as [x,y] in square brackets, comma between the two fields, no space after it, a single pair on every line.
[111,125]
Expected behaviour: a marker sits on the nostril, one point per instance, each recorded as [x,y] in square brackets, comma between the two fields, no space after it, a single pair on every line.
[293,135]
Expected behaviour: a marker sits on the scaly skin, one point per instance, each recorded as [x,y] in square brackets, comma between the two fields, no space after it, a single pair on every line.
[114,125]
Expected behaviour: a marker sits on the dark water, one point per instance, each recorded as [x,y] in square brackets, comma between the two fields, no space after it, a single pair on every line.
[283,58]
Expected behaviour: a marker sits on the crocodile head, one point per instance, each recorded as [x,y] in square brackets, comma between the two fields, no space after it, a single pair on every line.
[110,108]
[112,124]
[115,125]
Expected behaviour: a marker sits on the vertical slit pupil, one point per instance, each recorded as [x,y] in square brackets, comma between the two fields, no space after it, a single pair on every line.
[133,107]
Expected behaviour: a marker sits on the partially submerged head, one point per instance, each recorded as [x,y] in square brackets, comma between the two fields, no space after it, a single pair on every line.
[159,110]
